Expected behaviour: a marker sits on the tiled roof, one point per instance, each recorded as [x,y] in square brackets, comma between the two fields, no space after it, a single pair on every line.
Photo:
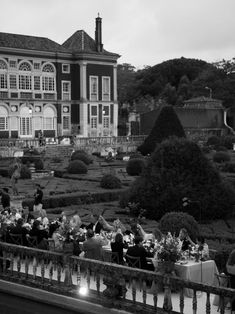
[29,43]
[80,41]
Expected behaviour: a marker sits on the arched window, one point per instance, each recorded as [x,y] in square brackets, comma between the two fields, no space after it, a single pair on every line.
[48,119]
[48,77]
[3,65]
[3,118]
[3,74]
[25,66]
[48,68]
[25,76]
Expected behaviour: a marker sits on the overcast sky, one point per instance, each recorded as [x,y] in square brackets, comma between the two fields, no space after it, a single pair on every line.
[143,32]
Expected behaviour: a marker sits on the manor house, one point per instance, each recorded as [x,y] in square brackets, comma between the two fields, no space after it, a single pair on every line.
[57,89]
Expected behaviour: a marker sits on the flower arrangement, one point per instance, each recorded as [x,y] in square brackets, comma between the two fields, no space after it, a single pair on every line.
[169,249]
[66,232]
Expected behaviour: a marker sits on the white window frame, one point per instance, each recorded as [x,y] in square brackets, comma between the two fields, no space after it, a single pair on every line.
[3,80]
[12,64]
[94,122]
[94,88]
[64,66]
[66,122]
[106,122]
[13,81]
[3,123]
[106,88]
[40,85]
[66,90]
[36,65]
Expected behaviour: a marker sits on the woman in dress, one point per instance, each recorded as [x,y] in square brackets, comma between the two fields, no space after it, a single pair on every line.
[117,247]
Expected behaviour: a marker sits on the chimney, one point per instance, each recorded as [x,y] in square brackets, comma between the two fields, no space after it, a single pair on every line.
[98,34]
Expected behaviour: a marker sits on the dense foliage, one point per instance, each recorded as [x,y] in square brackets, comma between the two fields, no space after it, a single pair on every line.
[135,166]
[221,157]
[81,155]
[176,80]
[25,172]
[167,124]
[174,221]
[110,181]
[77,167]
[178,169]
[39,164]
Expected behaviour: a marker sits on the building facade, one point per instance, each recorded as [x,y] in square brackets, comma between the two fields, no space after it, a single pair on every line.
[61,90]
[201,117]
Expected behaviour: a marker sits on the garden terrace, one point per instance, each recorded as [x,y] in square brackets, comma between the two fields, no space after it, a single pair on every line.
[51,272]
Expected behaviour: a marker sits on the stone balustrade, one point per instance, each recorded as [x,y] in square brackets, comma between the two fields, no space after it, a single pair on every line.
[110,285]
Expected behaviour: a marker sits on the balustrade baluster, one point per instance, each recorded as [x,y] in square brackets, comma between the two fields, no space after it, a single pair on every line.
[167,303]
[194,302]
[50,267]
[144,292]
[42,269]
[26,266]
[59,272]
[18,264]
[34,267]
[88,278]
[181,301]
[134,290]
[98,283]
[222,305]
[4,261]
[78,275]
[208,304]
[12,263]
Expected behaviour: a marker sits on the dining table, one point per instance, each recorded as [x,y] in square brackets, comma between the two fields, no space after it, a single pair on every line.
[200,272]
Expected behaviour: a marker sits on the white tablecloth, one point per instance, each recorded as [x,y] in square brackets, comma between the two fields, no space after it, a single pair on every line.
[203,272]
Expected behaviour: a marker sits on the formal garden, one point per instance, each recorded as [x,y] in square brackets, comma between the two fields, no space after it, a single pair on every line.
[175,175]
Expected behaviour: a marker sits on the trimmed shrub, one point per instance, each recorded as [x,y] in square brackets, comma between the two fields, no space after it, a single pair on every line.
[178,169]
[174,221]
[56,160]
[137,155]
[228,167]
[38,164]
[83,156]
[77,167]
[25,172]
[110,181]
[135,166]
[221,157]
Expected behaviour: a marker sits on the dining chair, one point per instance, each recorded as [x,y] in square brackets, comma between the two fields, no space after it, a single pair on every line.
[32,241]
[110,257]
[223,281]
[133,261]
[16,238]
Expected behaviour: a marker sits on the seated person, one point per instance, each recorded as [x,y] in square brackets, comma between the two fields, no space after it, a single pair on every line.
[92,247]
[139,251]
[95,223]
[203,248]
[19,229]
[185,240]
[41,234]
[117,246]
[230,266]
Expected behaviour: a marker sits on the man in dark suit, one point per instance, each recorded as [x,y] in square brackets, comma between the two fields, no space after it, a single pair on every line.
[95,224]
[139,251]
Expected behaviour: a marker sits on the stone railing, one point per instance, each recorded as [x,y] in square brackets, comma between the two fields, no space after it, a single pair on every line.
[108,284]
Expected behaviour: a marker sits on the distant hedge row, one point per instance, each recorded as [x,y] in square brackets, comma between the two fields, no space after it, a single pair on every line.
[74,199]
